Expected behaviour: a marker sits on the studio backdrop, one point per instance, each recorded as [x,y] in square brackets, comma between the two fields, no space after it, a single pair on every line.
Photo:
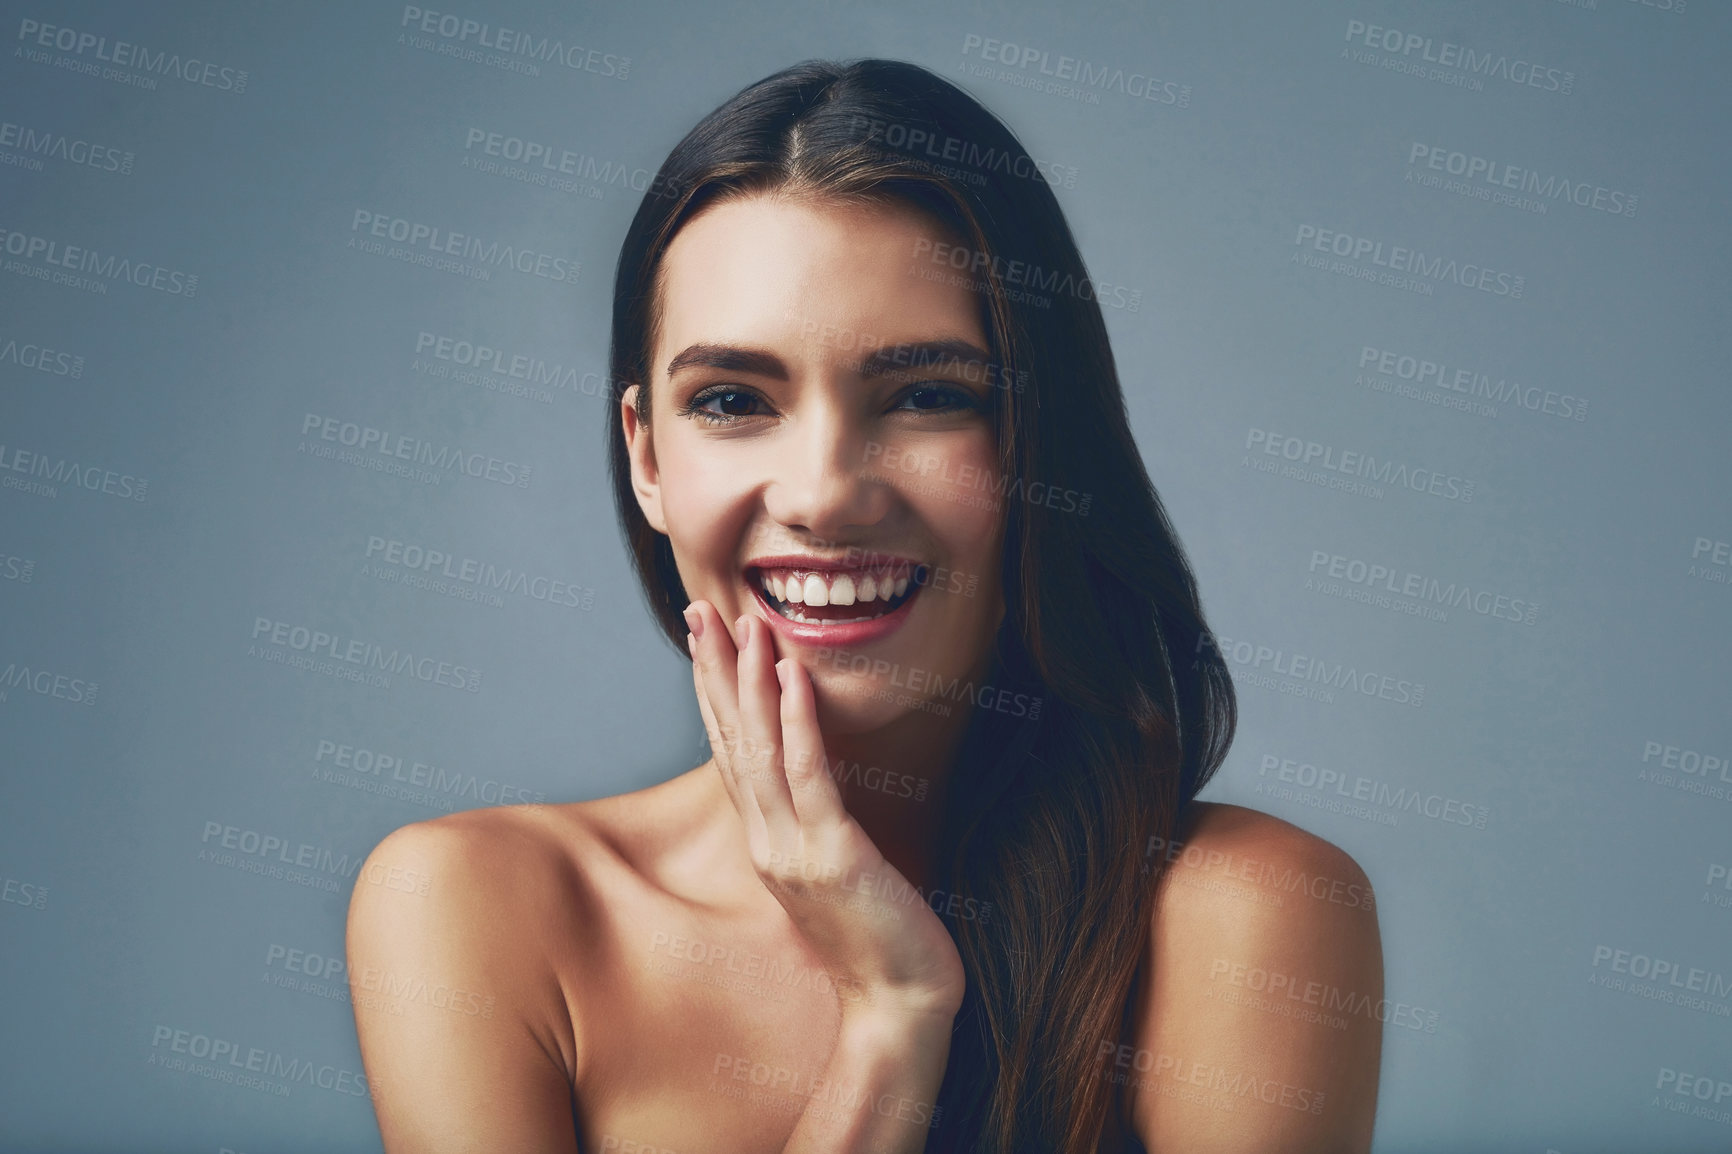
[1421,311]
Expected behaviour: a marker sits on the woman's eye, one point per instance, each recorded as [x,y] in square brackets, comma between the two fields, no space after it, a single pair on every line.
[940,398]
[727,406]
[733,404]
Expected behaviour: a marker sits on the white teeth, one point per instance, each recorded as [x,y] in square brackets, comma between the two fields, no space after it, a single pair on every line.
[826,587]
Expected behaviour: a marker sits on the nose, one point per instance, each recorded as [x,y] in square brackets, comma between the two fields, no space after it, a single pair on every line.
[820,482]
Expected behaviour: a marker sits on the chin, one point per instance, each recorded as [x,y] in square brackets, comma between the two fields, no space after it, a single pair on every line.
[849,705]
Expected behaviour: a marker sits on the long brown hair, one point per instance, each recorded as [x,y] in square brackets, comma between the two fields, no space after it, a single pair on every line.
[1047,820]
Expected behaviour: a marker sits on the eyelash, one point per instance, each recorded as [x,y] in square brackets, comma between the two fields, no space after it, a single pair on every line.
[962,400]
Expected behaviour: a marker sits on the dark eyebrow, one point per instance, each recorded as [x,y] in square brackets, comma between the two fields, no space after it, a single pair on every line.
[922,355]
[730,358]
[879,363]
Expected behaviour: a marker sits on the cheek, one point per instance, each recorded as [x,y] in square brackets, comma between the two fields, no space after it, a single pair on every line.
[960,493]
[963,501]
[704,495]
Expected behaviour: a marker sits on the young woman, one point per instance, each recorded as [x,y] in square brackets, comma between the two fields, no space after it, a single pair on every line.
[942,884]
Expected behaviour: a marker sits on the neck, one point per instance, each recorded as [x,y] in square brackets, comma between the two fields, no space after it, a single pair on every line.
[895,780]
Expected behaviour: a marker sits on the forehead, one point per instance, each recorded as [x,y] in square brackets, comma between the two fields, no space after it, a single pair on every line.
[772,270]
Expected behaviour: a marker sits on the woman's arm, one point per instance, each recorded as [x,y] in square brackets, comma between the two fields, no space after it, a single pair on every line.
[890,1055]
[879,1087]
[1260,1017]
[454,1025]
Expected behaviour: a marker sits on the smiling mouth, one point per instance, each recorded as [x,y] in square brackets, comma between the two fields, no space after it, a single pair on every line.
[838,597]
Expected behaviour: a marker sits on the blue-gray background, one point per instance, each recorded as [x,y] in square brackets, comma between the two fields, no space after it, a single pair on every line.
[1583,735]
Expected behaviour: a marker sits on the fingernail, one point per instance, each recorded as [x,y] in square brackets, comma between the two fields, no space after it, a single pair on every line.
[782,672]
[695,621]
[742,625]
[692,646]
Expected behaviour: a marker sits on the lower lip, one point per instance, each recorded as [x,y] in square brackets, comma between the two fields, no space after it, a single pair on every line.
[834,635]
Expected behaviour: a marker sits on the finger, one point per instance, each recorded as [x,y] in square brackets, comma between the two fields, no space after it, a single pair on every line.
[718,664]
[718,753]
[761,732]
[817,800]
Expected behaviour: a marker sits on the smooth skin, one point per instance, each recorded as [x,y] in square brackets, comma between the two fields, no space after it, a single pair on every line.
[721,962]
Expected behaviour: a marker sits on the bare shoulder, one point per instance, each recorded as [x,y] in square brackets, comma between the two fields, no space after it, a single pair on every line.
[523,865]
[471,941]
[488,896]
[1258,1020]
[1233,844]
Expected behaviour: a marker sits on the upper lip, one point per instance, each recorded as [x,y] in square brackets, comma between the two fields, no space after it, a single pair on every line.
[859,559]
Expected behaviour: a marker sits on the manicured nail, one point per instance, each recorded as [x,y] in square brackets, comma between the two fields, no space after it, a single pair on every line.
[782,673]
[692,646]
[695,621]
[742,630]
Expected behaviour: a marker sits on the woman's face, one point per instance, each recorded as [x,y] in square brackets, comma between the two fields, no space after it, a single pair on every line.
[817,403]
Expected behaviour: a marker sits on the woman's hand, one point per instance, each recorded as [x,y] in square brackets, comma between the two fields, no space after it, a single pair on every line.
[856,911]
